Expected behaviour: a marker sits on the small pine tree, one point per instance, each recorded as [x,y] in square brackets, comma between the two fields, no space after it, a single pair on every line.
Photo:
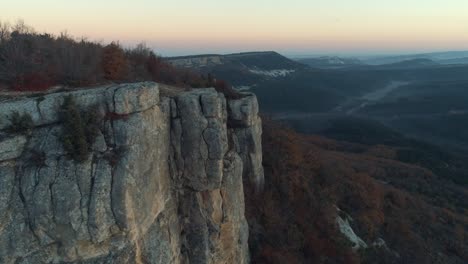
[74,137]
[80,129]
[20,123]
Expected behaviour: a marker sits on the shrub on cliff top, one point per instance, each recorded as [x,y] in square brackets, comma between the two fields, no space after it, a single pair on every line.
[20,123]
[79,129]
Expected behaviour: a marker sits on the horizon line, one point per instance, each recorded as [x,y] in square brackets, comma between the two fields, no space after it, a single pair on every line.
[318,54]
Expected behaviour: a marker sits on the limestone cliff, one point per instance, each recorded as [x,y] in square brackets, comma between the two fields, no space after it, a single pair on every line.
[163,183]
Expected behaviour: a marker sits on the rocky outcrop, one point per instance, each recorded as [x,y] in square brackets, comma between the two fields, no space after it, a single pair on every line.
[163,182]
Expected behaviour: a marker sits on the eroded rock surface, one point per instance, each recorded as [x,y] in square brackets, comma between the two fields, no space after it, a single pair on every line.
[163,183]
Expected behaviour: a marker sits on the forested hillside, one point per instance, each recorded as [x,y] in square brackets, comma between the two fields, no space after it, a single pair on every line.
[32,61]
[397,211]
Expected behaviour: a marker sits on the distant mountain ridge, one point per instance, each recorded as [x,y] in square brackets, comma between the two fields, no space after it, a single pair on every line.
[455,61]
[335,62]
[330,62]
[240,69]
[266,60]
[414,62]
[447,57]
[406,64]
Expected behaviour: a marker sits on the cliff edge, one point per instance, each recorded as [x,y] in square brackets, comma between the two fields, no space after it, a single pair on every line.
[162,182]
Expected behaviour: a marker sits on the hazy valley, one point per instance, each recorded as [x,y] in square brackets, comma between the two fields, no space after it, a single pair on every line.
[414,95]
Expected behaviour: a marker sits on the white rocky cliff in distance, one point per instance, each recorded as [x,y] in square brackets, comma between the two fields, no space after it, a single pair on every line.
[163,182]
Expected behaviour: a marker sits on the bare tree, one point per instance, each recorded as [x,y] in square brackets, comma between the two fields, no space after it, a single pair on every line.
[21,52]
[14,61]
[20,27]
[78,63]
[137,58]
[5,30]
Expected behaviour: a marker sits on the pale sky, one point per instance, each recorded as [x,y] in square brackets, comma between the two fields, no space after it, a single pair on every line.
[292,27]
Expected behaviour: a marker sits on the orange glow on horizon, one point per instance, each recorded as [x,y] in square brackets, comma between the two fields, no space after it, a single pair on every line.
[287,27]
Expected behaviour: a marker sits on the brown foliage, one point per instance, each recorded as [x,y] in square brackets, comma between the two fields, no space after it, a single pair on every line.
[293,218]
[307,177]
[114,62]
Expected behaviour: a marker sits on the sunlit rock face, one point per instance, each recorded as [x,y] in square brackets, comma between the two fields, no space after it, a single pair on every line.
[163,182]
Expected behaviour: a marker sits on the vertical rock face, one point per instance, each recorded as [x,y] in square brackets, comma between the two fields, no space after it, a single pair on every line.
[163,182]
[246,127]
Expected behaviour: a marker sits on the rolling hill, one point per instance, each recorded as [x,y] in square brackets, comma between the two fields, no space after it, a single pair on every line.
[242,70]
[440,57]
[330,62]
